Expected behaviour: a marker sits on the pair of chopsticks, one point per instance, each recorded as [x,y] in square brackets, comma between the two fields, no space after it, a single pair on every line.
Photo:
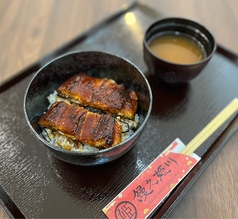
[217,122]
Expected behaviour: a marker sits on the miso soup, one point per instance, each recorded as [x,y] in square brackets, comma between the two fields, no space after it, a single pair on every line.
[178,49]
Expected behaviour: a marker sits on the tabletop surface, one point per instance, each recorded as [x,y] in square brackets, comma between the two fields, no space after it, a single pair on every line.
[30,30]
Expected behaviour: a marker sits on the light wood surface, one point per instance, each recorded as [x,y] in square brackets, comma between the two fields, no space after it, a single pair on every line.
[3,214]
[31,29]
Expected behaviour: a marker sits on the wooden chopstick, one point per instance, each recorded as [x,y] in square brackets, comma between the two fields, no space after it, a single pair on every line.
[220,119]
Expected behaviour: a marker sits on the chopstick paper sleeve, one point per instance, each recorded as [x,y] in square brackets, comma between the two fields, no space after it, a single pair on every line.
[146,192]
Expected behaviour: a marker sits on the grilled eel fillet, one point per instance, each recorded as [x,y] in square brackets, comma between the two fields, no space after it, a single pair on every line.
[104,94]
[80,124]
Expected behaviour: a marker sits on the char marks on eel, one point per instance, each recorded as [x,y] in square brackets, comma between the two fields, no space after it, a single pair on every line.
[104,94]
[77,123]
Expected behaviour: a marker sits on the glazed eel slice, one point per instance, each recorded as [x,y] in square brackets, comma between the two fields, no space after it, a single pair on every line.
[104,94]
[79,124]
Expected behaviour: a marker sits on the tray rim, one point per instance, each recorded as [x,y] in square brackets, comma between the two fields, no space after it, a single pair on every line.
[20,75]
[173,200]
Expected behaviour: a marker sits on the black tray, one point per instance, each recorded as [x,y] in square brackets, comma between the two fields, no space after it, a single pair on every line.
[34,184]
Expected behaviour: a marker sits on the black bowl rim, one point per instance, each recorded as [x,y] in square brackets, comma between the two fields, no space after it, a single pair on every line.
[89,153]
[174,19]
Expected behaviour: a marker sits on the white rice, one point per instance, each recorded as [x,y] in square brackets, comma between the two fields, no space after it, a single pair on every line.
[62,141]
